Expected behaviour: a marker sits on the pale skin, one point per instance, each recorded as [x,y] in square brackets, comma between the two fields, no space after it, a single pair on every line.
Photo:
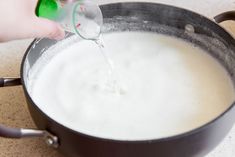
[19,21]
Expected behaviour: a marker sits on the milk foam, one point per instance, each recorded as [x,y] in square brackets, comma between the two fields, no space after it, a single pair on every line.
[170,86]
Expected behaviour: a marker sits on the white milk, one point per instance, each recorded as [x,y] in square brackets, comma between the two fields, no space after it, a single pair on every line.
[170,87]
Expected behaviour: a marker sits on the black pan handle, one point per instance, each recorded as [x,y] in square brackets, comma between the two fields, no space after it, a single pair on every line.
[9,132]
[229,15]
[9,81]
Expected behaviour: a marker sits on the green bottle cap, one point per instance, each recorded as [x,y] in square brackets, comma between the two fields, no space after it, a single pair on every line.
[47,9]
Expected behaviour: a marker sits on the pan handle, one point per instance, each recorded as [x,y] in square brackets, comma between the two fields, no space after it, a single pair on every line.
[9,132]
[229,15]
[9,81]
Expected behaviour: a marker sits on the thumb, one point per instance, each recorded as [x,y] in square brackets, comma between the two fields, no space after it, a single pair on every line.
[46,28]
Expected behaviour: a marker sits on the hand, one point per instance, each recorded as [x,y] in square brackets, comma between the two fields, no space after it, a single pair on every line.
[18,21]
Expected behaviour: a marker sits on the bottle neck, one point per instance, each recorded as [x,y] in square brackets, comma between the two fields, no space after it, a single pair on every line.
[47,8]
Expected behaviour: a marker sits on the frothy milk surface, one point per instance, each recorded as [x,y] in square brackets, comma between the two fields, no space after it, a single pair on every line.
[169,87]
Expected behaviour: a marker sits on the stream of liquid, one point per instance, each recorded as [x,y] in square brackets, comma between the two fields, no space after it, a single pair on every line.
[112,83]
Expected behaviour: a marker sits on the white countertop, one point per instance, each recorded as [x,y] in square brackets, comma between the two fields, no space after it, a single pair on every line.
[13,108]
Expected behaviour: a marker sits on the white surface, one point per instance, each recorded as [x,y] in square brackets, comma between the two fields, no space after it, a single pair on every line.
[161,78]
[11,54]
[209,8]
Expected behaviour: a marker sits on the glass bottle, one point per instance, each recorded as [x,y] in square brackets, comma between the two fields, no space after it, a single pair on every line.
[82,17]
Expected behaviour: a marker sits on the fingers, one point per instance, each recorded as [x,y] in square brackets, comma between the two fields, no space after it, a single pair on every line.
[41,27]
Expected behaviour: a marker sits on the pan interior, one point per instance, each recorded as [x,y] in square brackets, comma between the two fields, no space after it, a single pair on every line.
[180,85]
